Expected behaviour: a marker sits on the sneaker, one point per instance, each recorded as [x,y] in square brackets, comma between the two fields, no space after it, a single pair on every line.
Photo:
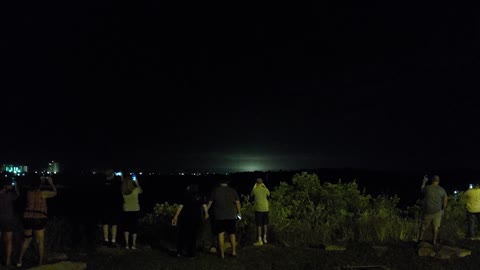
[133,247]
[113,244]
[105,243]
[264,240]
[127,247]
[258,243]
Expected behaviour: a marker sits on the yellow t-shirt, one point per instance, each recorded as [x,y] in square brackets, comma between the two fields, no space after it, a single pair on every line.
[260,193]
[130,201]
[473,200]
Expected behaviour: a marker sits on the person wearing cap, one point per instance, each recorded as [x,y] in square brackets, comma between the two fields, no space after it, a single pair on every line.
[434,204]
[260,194]
[472,198]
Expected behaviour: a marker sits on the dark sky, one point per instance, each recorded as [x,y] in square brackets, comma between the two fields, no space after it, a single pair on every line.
[234,86]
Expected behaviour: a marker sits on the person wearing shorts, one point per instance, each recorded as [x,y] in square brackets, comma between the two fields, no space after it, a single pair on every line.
[434,204]
[131,210]
[8,194]
[226,208]
[111,207]
[35,216]
[260,194]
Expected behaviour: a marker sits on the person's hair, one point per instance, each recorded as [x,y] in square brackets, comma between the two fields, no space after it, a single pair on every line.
[259,180]
[3,183]
[127,185]
[36,183]
[194,191]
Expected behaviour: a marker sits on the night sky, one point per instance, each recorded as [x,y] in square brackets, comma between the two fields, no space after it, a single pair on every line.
[219,86]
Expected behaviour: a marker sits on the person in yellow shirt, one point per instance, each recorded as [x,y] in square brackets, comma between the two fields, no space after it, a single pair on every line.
[131,209]
[472,197]
[261,193]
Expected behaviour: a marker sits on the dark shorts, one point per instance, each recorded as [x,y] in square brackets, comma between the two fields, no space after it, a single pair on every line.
[261,218]
[35,224]
[111,217]
[226,225]
[7,224]
[130,221]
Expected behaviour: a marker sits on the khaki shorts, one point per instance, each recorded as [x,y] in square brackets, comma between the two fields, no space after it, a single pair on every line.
[436,219]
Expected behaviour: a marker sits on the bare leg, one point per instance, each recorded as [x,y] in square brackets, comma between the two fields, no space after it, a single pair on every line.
[134,240]
[114,233]
[125,235]
[40,239]
[221,244]
[265,230]
[422,232]
[105,232]
[26,243]
[7,238]
[233,241]
[435,234]
[259,233]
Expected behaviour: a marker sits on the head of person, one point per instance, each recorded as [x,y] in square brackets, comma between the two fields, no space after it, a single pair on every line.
[109,173]
[223,182]
[128,185]
[4,183]
[435,179]
[477,185]
[37,182]
[259,181]
[193,188]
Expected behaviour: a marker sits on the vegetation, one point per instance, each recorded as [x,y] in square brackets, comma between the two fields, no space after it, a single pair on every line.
[310,212]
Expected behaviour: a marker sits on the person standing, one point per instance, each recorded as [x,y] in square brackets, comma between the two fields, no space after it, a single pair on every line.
[260,194]
[35,216]
[8,194]
[472,197]
[434,204]
[227,208]
[111,207]
[189,217]
[131,209]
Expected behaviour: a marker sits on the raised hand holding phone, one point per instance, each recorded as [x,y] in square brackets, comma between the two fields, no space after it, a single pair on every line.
[425,179]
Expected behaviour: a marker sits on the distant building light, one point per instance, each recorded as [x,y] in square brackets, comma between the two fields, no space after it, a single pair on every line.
[140,173]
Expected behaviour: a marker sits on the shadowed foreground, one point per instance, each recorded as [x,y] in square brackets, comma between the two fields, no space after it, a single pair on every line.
[397,256]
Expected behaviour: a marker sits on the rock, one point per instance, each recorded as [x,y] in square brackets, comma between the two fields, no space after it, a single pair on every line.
[335,248]
[380,250]
[463,253]
[447,252]
[65,265]
[57,257]
[284,243]
[425,249]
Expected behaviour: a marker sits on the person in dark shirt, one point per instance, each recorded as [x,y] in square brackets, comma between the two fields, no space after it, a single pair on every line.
[188,216]
[434,204]
[227,209]
[111,205]
[8,193]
